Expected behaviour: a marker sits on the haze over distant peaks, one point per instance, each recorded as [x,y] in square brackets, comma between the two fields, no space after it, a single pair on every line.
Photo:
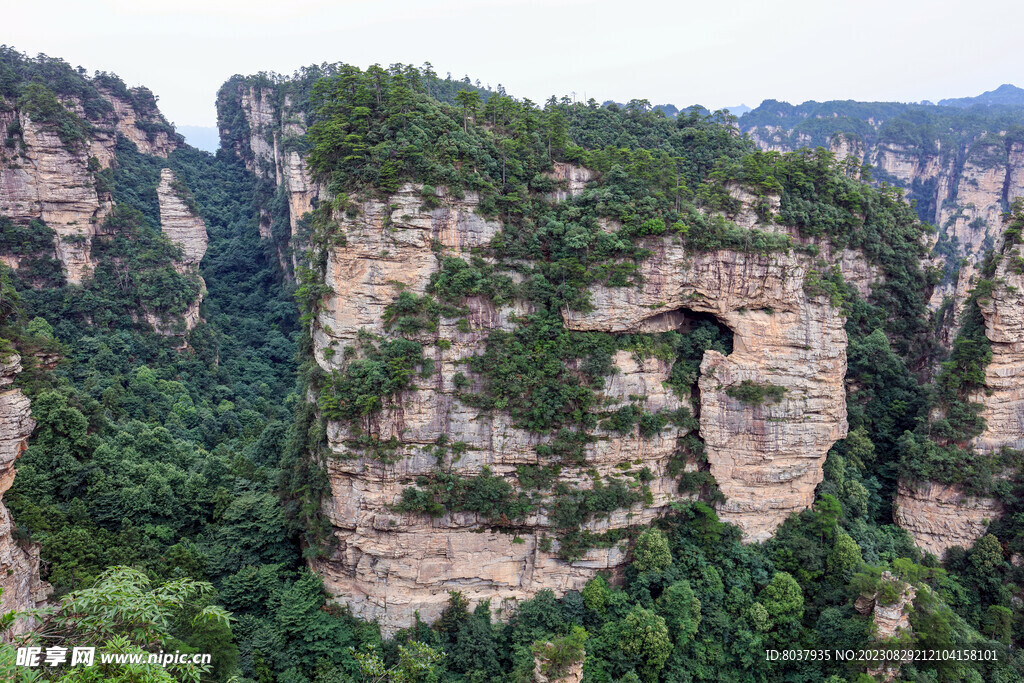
[739,109]
[1004,94]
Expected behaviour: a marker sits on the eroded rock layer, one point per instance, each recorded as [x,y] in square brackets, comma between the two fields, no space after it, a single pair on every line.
[940,516]
[45,177]
[1003,397]
[268,146]
[963,192]
[891,621]
[179,221]
[767,459]
[19,563]
[948,518]
[52,182]
[183,226]
[389,565]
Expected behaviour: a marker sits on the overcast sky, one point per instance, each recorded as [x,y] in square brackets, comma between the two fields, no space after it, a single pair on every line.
[681,52]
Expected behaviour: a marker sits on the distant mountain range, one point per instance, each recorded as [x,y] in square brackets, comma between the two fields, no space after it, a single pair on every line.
[1005,94]
[672,111]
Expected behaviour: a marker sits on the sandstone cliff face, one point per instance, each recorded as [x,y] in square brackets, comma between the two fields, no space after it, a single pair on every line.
[572,180]
[19,565]
[44,178]
[184,227]
[891,620]
[130,123]
[767,459]
[968,190]
[965,191]
[50,182]
[179,221]
[1003,397]
[267,151]
[573,673]
[940,516]
[390,565]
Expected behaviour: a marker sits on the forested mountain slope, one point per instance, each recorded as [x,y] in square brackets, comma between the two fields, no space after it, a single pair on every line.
[424,382]
[451,240]
[961,162]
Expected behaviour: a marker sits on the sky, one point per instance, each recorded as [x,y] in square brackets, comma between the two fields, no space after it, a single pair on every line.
[717,54]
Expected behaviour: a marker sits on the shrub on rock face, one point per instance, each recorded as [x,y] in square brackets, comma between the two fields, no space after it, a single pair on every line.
[756,393]
[554,658]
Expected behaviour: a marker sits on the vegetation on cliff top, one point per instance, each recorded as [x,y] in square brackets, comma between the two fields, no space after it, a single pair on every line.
[46,88]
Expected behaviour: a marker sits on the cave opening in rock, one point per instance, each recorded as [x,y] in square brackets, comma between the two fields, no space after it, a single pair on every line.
[691,334]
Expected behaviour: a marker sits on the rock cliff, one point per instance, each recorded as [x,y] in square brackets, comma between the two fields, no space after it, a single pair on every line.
[51,182]
[179,219]
[49,176]
[962,187]
[181,223]
[940,516]
[19,563]
[1003,397]
[266,136]
[766,458]
[890,610]
[390,565]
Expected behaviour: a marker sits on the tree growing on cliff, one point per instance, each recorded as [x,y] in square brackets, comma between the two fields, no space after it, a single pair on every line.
[468,100]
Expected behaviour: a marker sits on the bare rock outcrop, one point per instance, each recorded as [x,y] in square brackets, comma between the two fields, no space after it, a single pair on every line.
[50,182]
[19,563]
[1003,397]
[53,180]
[965,190]
[940,516]
[571,179]
[274,124]
[390,565]
[767,459]
[183,226]
[890,608]
[179,221]
[573,673]
[139,127]
[892,617]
